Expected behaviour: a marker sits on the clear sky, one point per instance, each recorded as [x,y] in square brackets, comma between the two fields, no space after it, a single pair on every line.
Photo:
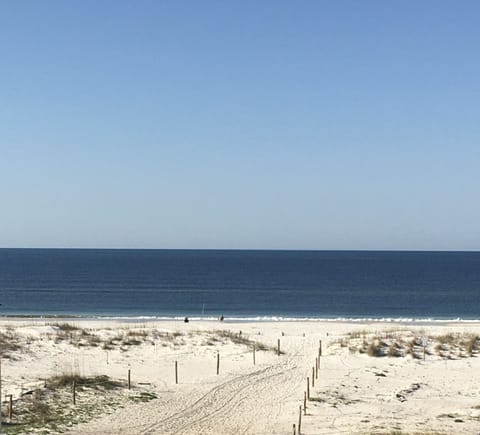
[247,124]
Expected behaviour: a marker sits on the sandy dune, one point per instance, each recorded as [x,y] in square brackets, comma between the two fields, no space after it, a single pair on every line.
[354,392]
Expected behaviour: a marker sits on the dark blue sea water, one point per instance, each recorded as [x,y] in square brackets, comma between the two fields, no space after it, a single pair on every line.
[241,284]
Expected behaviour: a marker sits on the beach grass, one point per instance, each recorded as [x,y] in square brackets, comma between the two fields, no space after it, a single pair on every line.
[403,343]
[50,409]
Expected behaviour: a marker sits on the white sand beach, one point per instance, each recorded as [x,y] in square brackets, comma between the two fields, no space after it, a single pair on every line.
[373,378]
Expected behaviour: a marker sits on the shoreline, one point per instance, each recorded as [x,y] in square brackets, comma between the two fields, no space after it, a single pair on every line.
[244,320]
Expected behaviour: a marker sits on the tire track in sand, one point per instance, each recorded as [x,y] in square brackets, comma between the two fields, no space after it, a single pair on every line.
[226,405]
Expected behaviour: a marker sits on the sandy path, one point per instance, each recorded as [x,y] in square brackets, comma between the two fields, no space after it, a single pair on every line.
[222,405]
[241,404]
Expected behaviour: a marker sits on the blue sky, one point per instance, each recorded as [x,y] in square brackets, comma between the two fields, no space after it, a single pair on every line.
[274,124]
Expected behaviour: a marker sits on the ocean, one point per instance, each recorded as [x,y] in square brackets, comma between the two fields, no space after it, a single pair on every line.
[245,285]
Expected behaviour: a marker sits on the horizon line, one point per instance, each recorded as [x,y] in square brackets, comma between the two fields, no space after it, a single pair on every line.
[232,249]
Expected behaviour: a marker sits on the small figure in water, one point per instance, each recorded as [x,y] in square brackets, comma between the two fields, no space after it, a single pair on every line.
[185,320]
[221,318]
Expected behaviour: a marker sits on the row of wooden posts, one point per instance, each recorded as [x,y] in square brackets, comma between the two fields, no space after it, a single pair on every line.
[218,363]
[306,394]
[74,384]
[176,371]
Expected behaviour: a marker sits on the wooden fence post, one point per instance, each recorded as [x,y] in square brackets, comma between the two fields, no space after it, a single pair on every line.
[299,419]
[304,403]
[320,349]
[128,378]
[218,363]
[308,388]
[278,347]
[176,372]
[294,431]
[74,387]
[313,377]
[316,369]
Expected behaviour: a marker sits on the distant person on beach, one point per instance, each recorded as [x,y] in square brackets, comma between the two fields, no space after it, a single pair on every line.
[185,320]
[221,318]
